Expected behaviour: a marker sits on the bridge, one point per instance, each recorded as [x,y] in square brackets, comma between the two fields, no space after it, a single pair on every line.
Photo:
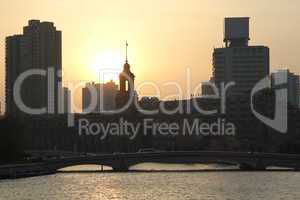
[123,161]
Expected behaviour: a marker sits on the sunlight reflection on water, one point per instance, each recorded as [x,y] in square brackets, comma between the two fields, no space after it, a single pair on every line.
[158,185]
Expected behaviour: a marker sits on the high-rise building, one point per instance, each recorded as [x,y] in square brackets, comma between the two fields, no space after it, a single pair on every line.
[298,91]
[293,85]
[206,88]
[104,97]
[39,47]
[12,71]
[238,62]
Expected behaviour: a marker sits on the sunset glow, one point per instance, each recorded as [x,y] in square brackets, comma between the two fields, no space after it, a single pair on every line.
[107,65]
[165,37]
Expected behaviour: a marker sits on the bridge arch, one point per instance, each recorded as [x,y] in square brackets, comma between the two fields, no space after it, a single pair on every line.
[84,167]
[122,162]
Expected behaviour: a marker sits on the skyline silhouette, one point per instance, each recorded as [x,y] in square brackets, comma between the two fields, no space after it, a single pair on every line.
[154,47]
[159,99]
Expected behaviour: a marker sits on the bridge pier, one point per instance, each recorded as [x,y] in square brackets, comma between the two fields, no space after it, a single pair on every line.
[120,166]
[251,167]
[120,169]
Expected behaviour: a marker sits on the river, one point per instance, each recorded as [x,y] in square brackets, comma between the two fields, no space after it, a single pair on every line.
[161,185]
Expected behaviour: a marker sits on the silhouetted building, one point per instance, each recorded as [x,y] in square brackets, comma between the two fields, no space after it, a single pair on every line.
[109,93]
[149,103]
[293,85]
[237,62]
[236,31]
[104,96]
[126,95]
[12,71]
[39,47]
[207,87]
[244,66]
[65,101]
[87,98]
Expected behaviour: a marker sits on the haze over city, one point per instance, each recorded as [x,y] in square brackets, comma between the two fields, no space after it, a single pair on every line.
[165,37]
[149,99]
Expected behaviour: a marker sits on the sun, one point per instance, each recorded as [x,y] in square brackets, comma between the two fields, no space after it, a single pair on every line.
[107,65]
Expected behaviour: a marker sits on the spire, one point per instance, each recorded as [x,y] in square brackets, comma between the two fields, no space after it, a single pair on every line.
[126,52]
[126,66]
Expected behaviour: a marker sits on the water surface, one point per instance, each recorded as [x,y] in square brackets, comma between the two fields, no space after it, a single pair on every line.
[220,185]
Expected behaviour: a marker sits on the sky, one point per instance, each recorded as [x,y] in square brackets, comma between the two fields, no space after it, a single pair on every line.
[166,37]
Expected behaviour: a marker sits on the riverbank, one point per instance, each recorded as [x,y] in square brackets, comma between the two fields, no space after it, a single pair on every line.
[14,171]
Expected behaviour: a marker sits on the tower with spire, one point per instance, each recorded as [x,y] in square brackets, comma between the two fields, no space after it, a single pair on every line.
[126,79]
